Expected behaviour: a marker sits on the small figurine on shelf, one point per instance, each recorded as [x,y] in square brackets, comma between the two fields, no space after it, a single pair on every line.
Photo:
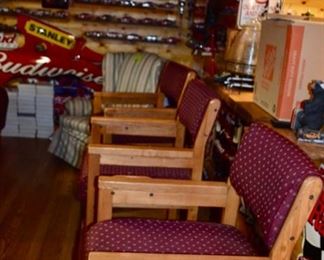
[309,120]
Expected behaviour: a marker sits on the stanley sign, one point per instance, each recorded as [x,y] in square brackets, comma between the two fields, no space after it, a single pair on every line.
[63,54]
[50,34]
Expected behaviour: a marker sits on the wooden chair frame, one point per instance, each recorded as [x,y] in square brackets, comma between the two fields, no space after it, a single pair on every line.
[150,156]
[122,191]
[106,99]
[164,124]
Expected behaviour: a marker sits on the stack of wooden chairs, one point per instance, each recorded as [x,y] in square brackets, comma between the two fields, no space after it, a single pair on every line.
[157,161]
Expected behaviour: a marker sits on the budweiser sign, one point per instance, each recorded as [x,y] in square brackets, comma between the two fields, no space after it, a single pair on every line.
[8,41]
[42,68]
[50,52]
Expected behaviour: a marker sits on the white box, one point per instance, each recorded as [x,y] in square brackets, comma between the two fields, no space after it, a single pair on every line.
[291,55]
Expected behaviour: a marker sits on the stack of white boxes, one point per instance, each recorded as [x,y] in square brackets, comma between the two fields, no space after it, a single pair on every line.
[27,110]
[30,111]
[44,110]
[11,127]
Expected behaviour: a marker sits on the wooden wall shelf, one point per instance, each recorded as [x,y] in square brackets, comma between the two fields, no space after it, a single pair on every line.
[172,38]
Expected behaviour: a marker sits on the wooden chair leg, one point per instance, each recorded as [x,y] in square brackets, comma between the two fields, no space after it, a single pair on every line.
[192,213]
[173,214]
[93,172]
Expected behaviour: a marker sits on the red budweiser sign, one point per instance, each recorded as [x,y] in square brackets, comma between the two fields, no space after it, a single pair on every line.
[50,52]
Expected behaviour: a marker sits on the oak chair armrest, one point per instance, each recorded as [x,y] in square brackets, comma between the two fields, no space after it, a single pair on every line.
[144,192]
[102,99]
[146,156]
[143,155]
[101,126]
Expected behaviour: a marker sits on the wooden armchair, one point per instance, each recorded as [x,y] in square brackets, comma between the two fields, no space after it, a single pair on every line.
[173,79]
[277,181]
[196,114]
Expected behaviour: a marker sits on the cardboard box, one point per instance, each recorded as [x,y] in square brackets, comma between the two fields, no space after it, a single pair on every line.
[291,55]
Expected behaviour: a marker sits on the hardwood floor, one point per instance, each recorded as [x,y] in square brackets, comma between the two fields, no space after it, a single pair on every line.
[39,211]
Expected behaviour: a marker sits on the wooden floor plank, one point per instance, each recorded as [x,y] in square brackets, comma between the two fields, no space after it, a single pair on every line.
[39,212]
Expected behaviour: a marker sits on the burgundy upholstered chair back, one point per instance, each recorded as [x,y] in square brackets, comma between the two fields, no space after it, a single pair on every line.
[172,80]
[193,106]
[267,172]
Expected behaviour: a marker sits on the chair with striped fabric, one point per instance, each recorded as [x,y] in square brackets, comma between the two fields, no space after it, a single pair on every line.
[173,80]
[71,138]
[141,79]
[278,183]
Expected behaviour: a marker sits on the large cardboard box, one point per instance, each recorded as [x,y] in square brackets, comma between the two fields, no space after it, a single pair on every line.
[291,55]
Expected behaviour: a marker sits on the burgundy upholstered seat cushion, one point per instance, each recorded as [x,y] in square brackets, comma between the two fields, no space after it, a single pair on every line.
[166,236]
[268,171]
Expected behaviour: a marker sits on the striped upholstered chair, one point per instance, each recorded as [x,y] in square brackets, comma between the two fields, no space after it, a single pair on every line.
[173,80]
[71,138]
[196,113]
[141,79]
[122,72]
[277,181]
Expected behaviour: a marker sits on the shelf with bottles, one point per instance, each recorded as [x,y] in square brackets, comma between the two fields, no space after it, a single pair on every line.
[103,18]
[128,13]
[114,27]
[131,37]
[210,19]
[166,5]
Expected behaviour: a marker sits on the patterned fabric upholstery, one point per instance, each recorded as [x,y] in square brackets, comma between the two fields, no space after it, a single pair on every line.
[78,107]
[110,69]
[172,80]
[78,123]
[131,72]
[139,72]
[265,164]
[160,236]
[193,106]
